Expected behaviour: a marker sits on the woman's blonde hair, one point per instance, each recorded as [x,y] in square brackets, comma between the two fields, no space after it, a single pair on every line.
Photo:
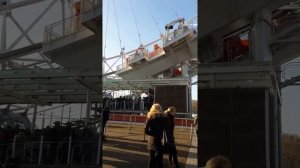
[171,110]
[154,110]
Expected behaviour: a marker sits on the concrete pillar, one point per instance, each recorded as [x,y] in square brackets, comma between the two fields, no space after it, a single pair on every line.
[260,36]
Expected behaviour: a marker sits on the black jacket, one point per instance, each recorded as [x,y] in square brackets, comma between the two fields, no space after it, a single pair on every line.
[169,128]
[154,128]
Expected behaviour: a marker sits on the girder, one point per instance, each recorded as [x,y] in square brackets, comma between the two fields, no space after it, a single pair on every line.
[19,4]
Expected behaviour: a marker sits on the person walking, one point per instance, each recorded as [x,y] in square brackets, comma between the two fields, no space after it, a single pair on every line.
[154,128]
[169,130]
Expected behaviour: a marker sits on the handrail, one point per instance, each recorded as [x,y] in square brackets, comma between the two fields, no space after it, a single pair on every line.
[71,24]
[290,70]
[284,22]
[63,28]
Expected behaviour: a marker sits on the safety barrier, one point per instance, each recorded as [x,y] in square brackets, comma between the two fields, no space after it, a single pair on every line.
[63,28]
[290,70]
[182,122]
[41,151]
[69,25]
[285,22]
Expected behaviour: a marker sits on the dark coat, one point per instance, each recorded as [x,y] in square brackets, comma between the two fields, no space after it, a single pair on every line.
[169,128]
[106,113]
[154,128]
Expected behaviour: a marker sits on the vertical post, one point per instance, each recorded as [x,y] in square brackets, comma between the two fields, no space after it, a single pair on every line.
[41,150]
[191,134]
[129,125]
[63,16]
[69,150]
[186,125]
[144,130]
[51,118]
[62,114]
[43,121]
[133,108]
[261,33]
[70,110]
[88,108]
[14,147]
[80,111]
[34,118]
[3,37]
[99,149]
[267,128]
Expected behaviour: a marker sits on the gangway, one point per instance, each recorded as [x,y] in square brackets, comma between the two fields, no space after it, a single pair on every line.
[78,35]
[173,48]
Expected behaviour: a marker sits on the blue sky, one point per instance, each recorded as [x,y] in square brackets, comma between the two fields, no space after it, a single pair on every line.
[151,17]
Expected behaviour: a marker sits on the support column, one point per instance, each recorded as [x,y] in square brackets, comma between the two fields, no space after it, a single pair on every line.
[3,37]
[261,35]
[268,109]
[88,108]
[34,118]
[184,70]
[63,16]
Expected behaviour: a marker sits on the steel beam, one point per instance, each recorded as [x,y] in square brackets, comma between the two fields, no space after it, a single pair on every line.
[21,97]
[19,4]
[8,55]
[46,73]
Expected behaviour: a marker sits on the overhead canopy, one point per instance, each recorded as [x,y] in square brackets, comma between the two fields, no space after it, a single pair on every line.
[48,86]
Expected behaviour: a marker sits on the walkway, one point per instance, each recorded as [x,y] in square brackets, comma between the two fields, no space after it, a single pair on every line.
[128,150]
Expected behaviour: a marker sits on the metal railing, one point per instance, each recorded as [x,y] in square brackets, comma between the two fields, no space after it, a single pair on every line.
[63,28]
[69,25]
[285,22]
[41,150]
[290,70]
[186,31]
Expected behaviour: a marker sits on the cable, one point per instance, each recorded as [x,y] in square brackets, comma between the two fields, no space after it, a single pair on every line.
[105,40]
[117,24]
[173,9]
[135,22]
[153,17]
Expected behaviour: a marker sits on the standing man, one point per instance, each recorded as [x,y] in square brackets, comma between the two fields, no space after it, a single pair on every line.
[105,118]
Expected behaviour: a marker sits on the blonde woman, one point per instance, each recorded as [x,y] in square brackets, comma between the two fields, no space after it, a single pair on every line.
[154,128]
[169,129]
